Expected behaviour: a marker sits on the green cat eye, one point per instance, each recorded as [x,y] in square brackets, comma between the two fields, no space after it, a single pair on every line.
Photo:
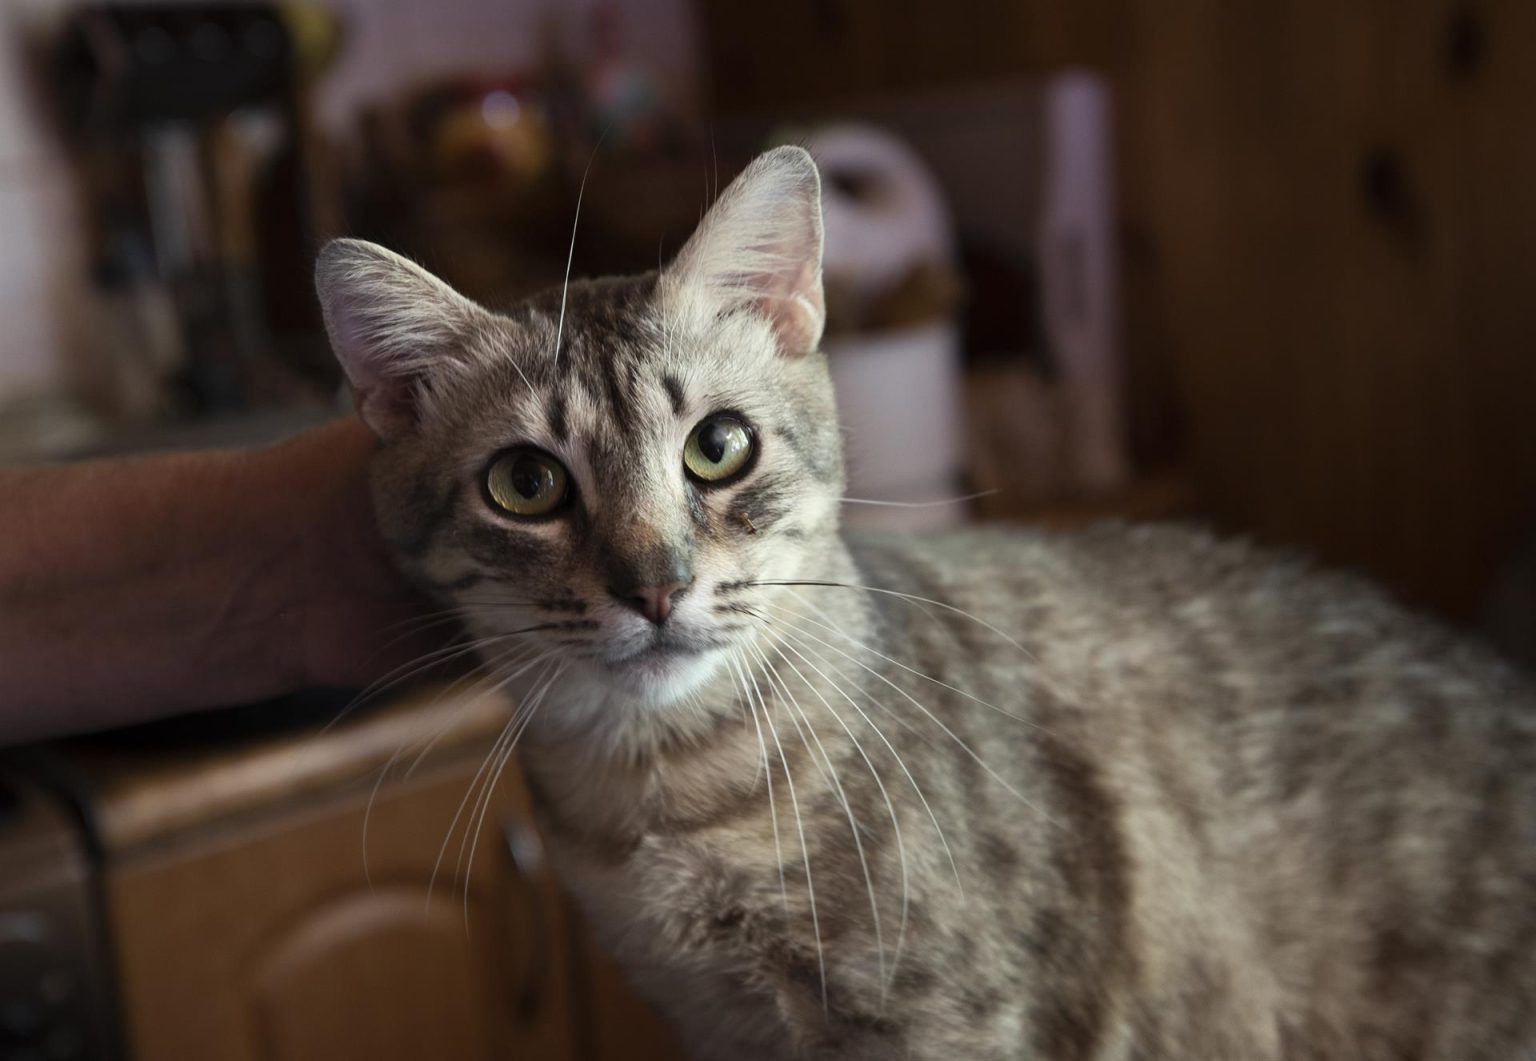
[527,482]
[717,449]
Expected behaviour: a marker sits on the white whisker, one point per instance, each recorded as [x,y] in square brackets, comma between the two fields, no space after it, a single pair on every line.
[570,256]
[773,813]
[516,656]
[935,720]
[918,504]
[471,789]
[535,701]
[900,762]
[805,851]
[421,664]
[897,663]
[830,771]
[442,731]
[775,643]
[827,583]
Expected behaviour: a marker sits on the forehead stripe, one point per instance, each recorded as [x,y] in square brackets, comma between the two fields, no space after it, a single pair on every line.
[674,393]
[559,424]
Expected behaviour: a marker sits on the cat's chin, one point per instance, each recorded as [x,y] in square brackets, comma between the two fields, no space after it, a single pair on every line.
[659,677]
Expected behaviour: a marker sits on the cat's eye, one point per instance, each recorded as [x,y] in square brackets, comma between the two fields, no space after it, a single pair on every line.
[717,449]
[527,482]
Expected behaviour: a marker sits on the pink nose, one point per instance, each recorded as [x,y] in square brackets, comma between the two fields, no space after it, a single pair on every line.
[654,602]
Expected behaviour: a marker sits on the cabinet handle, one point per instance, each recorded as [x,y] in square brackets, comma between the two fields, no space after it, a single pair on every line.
[525,854]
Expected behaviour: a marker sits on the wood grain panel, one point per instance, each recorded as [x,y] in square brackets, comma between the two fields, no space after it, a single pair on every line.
[1337,221]
[269,941]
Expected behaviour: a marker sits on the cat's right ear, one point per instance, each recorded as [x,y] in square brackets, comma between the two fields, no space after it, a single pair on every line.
[392,325]
[760,247]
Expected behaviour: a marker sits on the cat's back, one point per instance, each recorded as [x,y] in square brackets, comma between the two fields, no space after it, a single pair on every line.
[1163,602]
[1327,801]
[1282,676]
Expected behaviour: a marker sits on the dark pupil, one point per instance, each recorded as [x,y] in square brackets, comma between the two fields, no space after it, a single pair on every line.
[713,441]
[530,479]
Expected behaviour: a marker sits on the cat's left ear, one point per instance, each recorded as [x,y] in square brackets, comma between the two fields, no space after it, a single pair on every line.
[760,247]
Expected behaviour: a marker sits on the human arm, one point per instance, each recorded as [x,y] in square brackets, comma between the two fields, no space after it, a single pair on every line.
[146,586]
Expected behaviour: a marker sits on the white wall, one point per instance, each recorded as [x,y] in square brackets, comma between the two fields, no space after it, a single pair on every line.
[41,244]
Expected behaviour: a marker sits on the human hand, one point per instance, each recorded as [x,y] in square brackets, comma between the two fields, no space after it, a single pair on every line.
[353,620]
[136,588]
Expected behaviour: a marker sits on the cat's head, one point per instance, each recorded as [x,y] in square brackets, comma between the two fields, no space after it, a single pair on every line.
[607,467]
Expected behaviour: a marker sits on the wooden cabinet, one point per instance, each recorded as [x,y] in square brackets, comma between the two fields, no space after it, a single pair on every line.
[1337,208]
[248,927]
[267,941]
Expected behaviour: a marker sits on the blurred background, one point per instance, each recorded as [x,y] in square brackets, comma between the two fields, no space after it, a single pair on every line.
[1263,266]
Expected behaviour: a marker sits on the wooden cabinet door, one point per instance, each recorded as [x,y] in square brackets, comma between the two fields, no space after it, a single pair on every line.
[623,1027]
[268,941]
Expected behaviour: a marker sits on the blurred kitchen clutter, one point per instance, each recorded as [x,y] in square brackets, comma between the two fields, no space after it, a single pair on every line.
[969,256]
[205,181]
[190,132]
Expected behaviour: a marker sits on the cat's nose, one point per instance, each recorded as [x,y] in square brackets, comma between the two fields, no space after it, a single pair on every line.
[653,602]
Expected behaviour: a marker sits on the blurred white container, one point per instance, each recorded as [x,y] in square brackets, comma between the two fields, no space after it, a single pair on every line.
[898,389]
[899,396]
[1078,256]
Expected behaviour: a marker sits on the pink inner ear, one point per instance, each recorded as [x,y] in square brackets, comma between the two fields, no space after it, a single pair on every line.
[392,325]
[387,402]
[793,303]
[384,391]
[760,246]
[389,407]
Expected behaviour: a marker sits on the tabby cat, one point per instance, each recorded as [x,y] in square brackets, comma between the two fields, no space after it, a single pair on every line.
[1131,793]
